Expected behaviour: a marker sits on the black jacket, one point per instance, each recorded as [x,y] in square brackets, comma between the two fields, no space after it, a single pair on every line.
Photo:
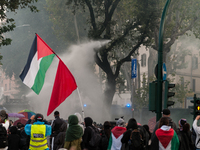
[57,123]
[13,141]
[185,139]
[87,135]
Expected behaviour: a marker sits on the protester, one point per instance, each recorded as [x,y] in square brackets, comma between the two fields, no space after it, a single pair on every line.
[105,135]
[132,125]
[13,139]
[116,135]
[4,119]
[24,139]
[197,131]
[38,132]
[185,136]
[60,139]
[165,137]
[87,134]
[166,113]
[80,120]
[56,124]
[74,133]
[149,136]
[4,125]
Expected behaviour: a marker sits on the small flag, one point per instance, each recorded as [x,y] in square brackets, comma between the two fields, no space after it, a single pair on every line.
[39,60]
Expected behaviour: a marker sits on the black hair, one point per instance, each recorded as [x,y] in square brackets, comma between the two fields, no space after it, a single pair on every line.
[56,113]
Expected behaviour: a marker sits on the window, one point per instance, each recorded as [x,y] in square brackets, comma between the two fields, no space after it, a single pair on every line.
[194,63]
[143,60]
[193,85]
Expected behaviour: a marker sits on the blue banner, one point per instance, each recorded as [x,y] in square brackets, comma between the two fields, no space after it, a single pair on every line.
[134,68]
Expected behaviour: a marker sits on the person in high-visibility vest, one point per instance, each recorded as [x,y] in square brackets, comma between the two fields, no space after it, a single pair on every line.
[38,132]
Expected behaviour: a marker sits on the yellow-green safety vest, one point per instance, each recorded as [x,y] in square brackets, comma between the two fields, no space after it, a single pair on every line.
[38,141]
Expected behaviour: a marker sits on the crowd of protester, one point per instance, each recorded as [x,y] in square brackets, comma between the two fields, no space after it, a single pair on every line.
[84,134]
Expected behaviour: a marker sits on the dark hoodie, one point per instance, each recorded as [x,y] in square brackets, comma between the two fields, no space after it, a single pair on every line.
[60,139]
[132,124]
[171,123]
[87,134]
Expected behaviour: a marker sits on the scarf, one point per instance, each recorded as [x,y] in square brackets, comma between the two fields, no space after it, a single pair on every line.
[74,131]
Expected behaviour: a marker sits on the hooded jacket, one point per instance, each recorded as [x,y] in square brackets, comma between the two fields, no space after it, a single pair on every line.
[115,138]
[80,120]
[171,124]
[165,139]
[87,134]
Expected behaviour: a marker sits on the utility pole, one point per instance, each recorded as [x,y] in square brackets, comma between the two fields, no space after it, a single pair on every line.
[160,62]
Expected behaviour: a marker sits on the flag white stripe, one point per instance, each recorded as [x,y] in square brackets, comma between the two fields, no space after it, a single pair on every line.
[32,72]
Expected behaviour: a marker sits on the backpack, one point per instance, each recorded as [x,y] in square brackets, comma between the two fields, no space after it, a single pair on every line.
[3,136]
[95,137]
[104,141]
[137,141]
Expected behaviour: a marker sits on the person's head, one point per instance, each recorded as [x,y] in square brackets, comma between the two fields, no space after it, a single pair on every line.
[146,127]
[80,120]
[106,125]
[183,125]
[72,120]
[132,124]
[56,113]
[120,122]
[163,121]
[13,130]
[3,115]
[166,112]
[19,124]
[88,121]
[39,117]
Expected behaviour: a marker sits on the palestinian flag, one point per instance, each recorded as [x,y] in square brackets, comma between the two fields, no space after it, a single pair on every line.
[39,60]
[115,138]
[168,140]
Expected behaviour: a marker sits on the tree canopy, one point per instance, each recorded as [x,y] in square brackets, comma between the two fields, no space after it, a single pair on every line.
[7,24]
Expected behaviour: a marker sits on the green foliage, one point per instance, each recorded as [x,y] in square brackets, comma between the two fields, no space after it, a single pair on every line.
[64,19]
[182,90]
[142,93]
[27,24]
[8,24]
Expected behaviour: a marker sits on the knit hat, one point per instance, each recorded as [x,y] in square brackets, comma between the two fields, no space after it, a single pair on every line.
[3,114]
[120,122]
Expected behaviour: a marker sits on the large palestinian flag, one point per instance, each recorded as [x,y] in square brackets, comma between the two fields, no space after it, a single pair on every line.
[39,60]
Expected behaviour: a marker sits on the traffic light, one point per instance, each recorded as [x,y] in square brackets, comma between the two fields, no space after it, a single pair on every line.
[152,96]
[168,94]
[197,106]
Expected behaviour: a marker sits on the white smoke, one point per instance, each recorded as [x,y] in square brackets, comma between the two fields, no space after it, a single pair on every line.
[80,61]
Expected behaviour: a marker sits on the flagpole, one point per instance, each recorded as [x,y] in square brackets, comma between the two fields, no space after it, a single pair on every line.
[81,102]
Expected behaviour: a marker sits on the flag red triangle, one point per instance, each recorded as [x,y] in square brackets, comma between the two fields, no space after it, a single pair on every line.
[64,85]
[42,48]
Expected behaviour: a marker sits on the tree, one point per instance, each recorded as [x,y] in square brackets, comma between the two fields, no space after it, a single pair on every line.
[7,24]
[27,24]
[127,24]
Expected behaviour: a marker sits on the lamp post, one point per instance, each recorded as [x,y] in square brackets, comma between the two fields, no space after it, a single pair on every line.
[160,62]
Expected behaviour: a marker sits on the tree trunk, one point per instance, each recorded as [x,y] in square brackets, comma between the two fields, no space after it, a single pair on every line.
[109,93]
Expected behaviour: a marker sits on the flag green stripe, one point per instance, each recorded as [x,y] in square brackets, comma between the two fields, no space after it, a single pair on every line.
[39,79]
[175,142]
[110,142]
